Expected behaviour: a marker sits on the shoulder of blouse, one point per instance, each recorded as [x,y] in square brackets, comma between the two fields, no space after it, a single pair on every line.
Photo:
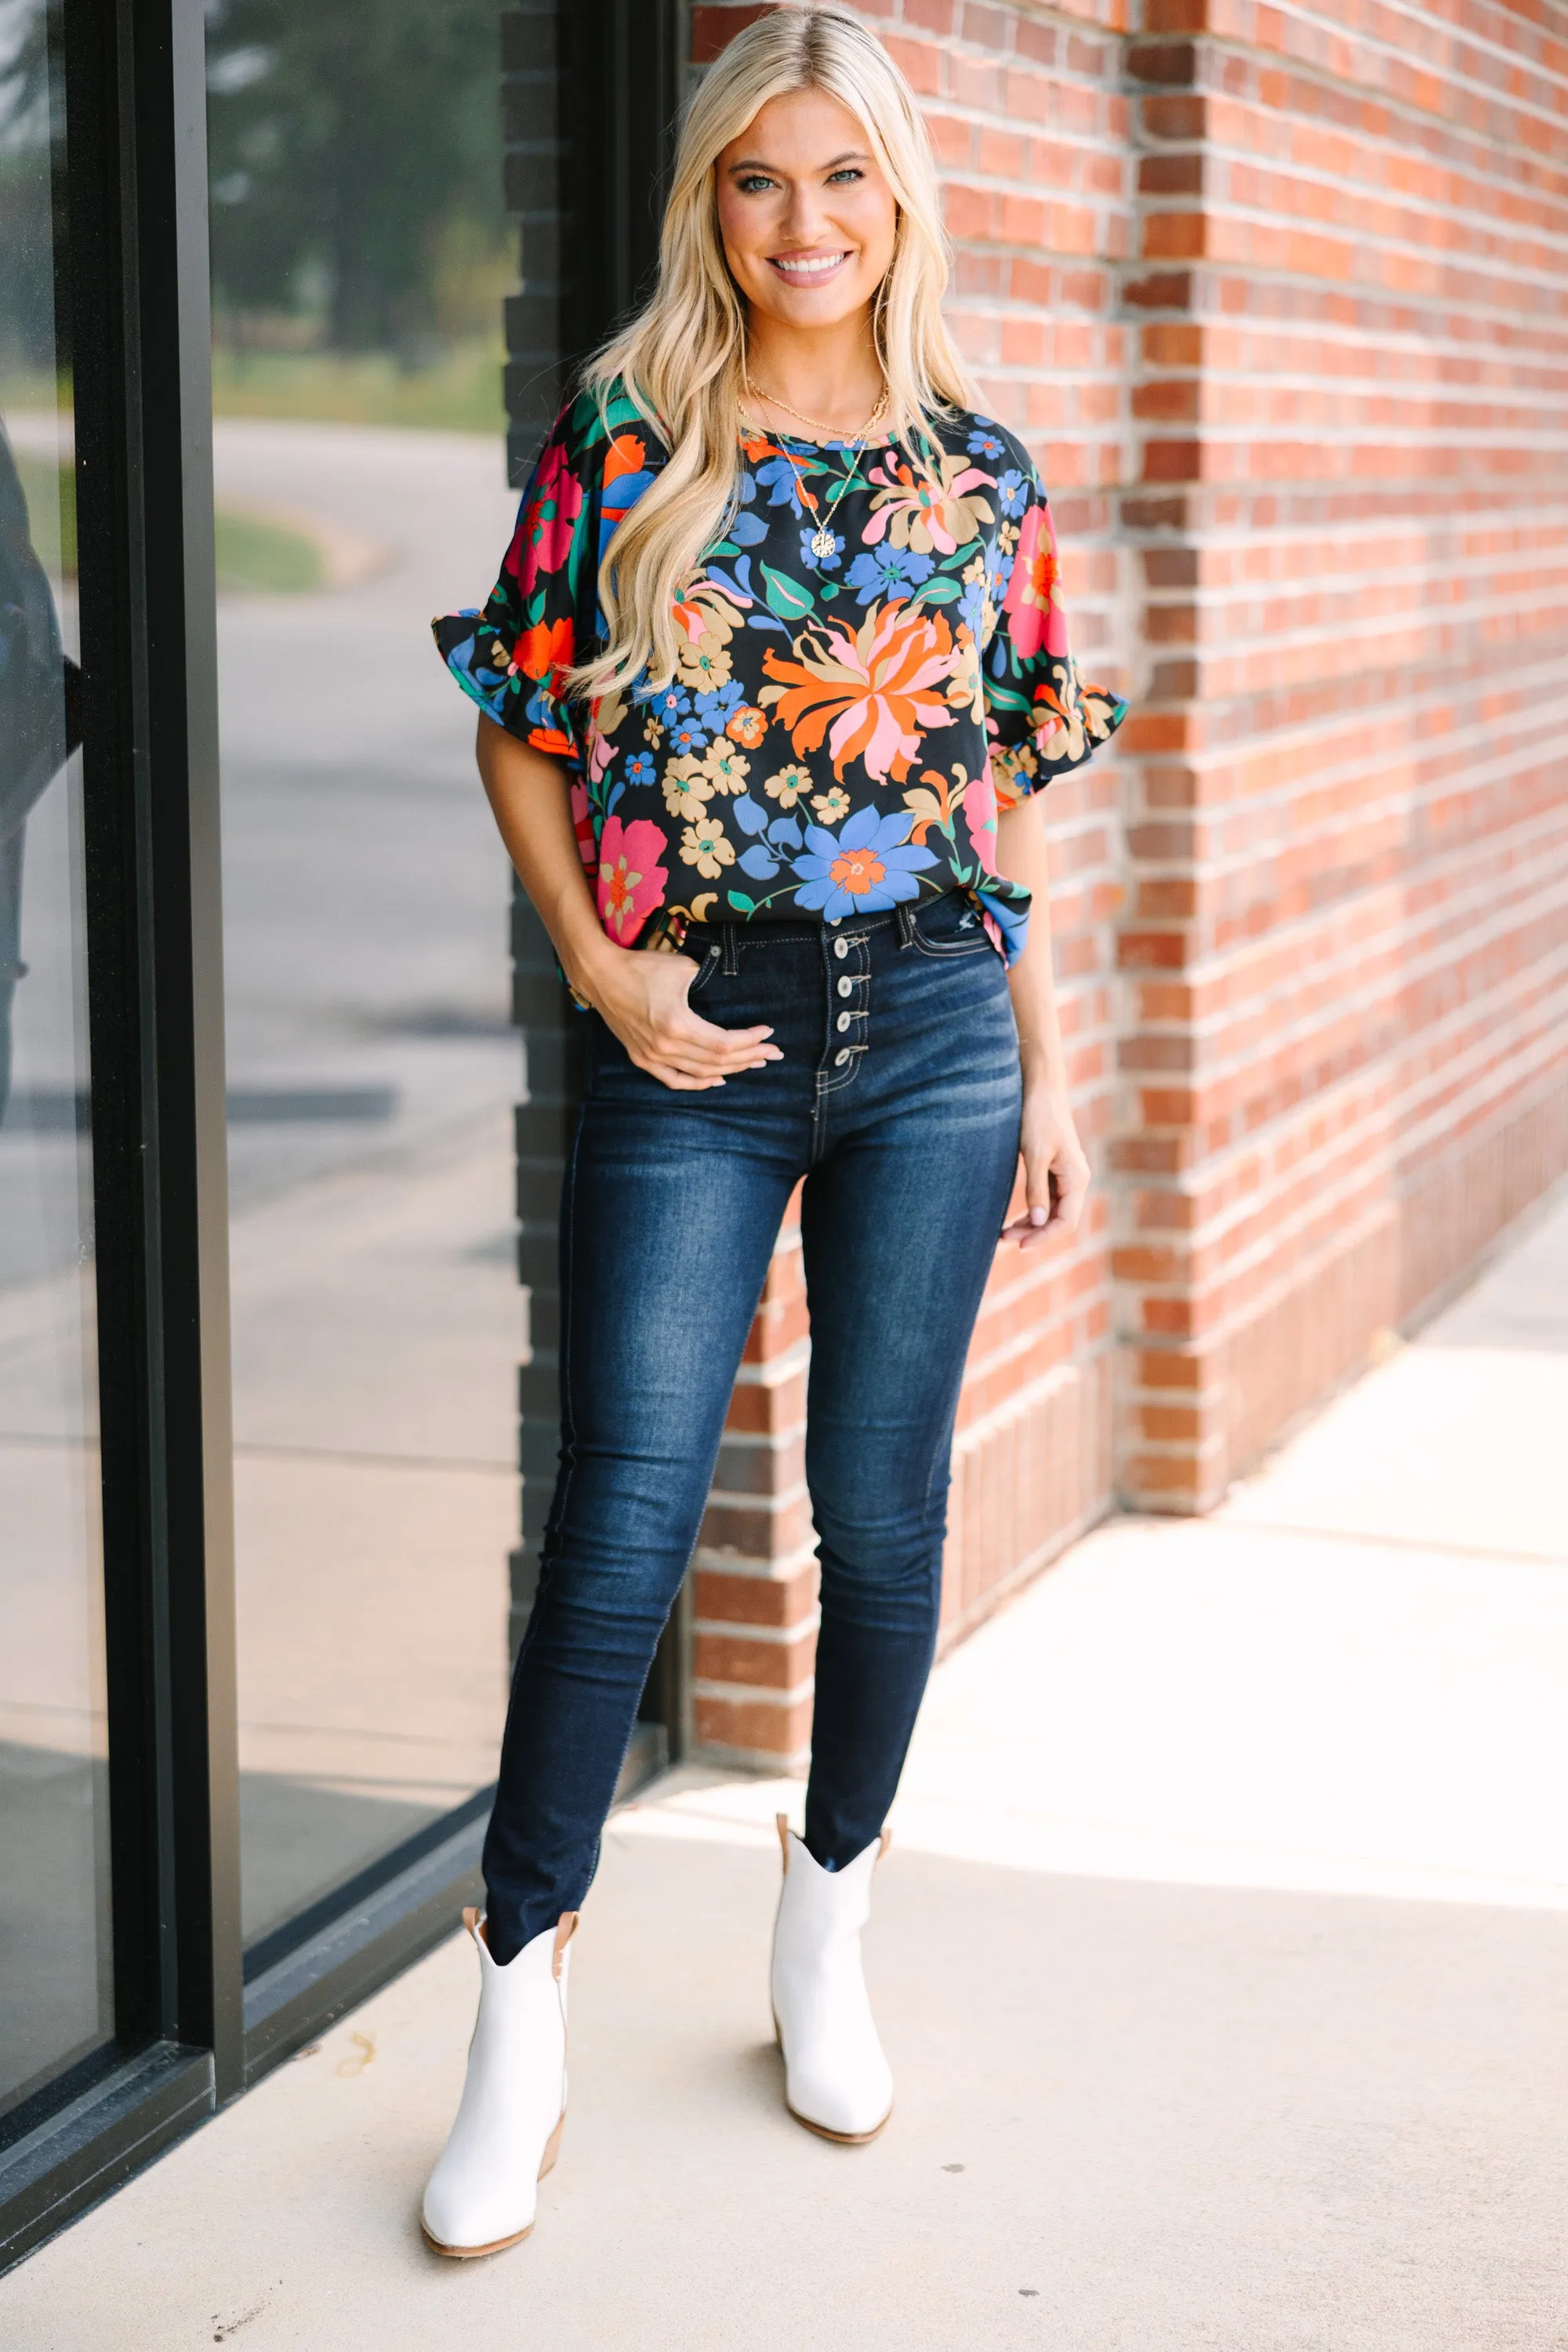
[600,423]
[967,432]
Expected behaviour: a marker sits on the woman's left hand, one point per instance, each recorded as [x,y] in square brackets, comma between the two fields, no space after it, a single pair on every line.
[1056,1173]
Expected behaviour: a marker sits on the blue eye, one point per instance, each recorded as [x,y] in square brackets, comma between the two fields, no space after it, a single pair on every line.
[848,172]
[752,181]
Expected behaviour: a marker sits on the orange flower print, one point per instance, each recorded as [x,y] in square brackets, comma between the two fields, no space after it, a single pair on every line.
[1058,723]
[747,725]
[544,651]
[857,871]
[873,694]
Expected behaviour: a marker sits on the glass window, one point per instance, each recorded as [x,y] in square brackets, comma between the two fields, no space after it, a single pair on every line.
[360,261]
[55,2000]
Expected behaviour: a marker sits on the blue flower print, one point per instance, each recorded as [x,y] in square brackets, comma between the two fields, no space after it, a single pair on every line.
[779,479]
[640,769]
[888,571]
[867,870]
[985,443]
[671,702]
[812,560]
[713,709]
[686,735]
[1012,491]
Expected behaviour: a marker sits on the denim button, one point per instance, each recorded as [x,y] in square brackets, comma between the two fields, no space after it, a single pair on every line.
[845,1019]
[842,1056]
[841,949]
[846,986]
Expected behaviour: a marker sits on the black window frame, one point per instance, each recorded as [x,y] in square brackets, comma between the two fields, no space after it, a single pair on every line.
[194,2030]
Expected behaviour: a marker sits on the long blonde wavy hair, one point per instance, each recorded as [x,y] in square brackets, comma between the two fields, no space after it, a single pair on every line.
[682,360]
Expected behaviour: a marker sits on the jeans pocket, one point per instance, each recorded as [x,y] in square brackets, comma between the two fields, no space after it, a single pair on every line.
[950,925]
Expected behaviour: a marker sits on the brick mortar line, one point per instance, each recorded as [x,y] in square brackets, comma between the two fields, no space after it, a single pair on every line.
[1302,735]
[753,1694]
[1520,511]
[1410,301]
[1371,628]
[1069,1373]
[777,1570]
[1454,35]
[778,1636]
[1395,806]
[1207,203]
[1219,870]
[1449,1069]
[1359,90]
[1227,1323]
[1406,1093]
[1251,956]
[1538,1081]
[1488,165]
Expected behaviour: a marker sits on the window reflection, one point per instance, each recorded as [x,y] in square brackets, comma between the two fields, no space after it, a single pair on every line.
[54,1889]
[360,258]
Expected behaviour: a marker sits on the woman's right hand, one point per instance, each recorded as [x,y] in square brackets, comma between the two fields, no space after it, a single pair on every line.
[641,994]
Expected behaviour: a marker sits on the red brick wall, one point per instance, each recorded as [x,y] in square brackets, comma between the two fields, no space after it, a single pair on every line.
[1345,1037]
[1273,294]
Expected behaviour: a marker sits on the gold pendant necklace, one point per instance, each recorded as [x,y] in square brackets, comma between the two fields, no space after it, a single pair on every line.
[823,543]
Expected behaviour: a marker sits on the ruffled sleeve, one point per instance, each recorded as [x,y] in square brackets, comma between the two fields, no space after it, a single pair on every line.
[1041,717]
[513,656]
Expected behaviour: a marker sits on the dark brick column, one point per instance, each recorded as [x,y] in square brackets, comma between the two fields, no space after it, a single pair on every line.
[590,93]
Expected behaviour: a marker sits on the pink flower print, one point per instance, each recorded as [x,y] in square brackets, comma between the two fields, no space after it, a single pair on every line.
[1033,601]
[980,816]
[631,880]
[543,540]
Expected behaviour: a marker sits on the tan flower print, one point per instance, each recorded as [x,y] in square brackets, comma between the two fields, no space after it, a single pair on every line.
[705,663]
[707,847]
[788,785]
[687,788]
[726,766]
[830,805]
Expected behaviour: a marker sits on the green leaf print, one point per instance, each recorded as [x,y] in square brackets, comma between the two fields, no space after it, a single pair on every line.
[787,598]
[742,903]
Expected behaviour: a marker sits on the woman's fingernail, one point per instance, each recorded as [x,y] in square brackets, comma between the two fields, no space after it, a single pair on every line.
[1039,1216]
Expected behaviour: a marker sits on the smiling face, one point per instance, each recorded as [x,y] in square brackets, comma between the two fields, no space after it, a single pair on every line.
[806,216]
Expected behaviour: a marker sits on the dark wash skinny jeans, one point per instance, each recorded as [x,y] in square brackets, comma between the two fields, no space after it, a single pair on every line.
[897,1099]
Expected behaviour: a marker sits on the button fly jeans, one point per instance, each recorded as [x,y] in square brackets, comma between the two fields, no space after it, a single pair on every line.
[898,1101]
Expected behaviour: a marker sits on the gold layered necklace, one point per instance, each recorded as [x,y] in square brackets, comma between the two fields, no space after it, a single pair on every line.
[822,542]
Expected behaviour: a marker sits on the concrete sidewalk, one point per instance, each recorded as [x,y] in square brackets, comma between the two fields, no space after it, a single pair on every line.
[1222,1957]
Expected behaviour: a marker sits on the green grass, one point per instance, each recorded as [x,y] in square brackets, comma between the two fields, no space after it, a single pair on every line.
[260,558]
[460,392]
[255,556]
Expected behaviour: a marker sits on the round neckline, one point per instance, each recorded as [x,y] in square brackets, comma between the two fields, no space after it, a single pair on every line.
[804,441]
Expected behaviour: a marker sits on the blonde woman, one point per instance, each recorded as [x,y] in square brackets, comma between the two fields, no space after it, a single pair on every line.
[773,674]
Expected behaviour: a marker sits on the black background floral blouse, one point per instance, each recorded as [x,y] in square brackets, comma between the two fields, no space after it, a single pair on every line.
[841,727]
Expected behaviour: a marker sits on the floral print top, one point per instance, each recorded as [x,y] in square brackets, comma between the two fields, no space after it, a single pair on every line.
[843,725]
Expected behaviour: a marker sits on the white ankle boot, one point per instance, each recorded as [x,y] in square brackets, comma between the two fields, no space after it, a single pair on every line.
[836,2081]
[482,2193]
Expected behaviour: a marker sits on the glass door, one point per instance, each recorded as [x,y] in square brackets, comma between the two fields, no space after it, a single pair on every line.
[360,257]
[55,1951]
